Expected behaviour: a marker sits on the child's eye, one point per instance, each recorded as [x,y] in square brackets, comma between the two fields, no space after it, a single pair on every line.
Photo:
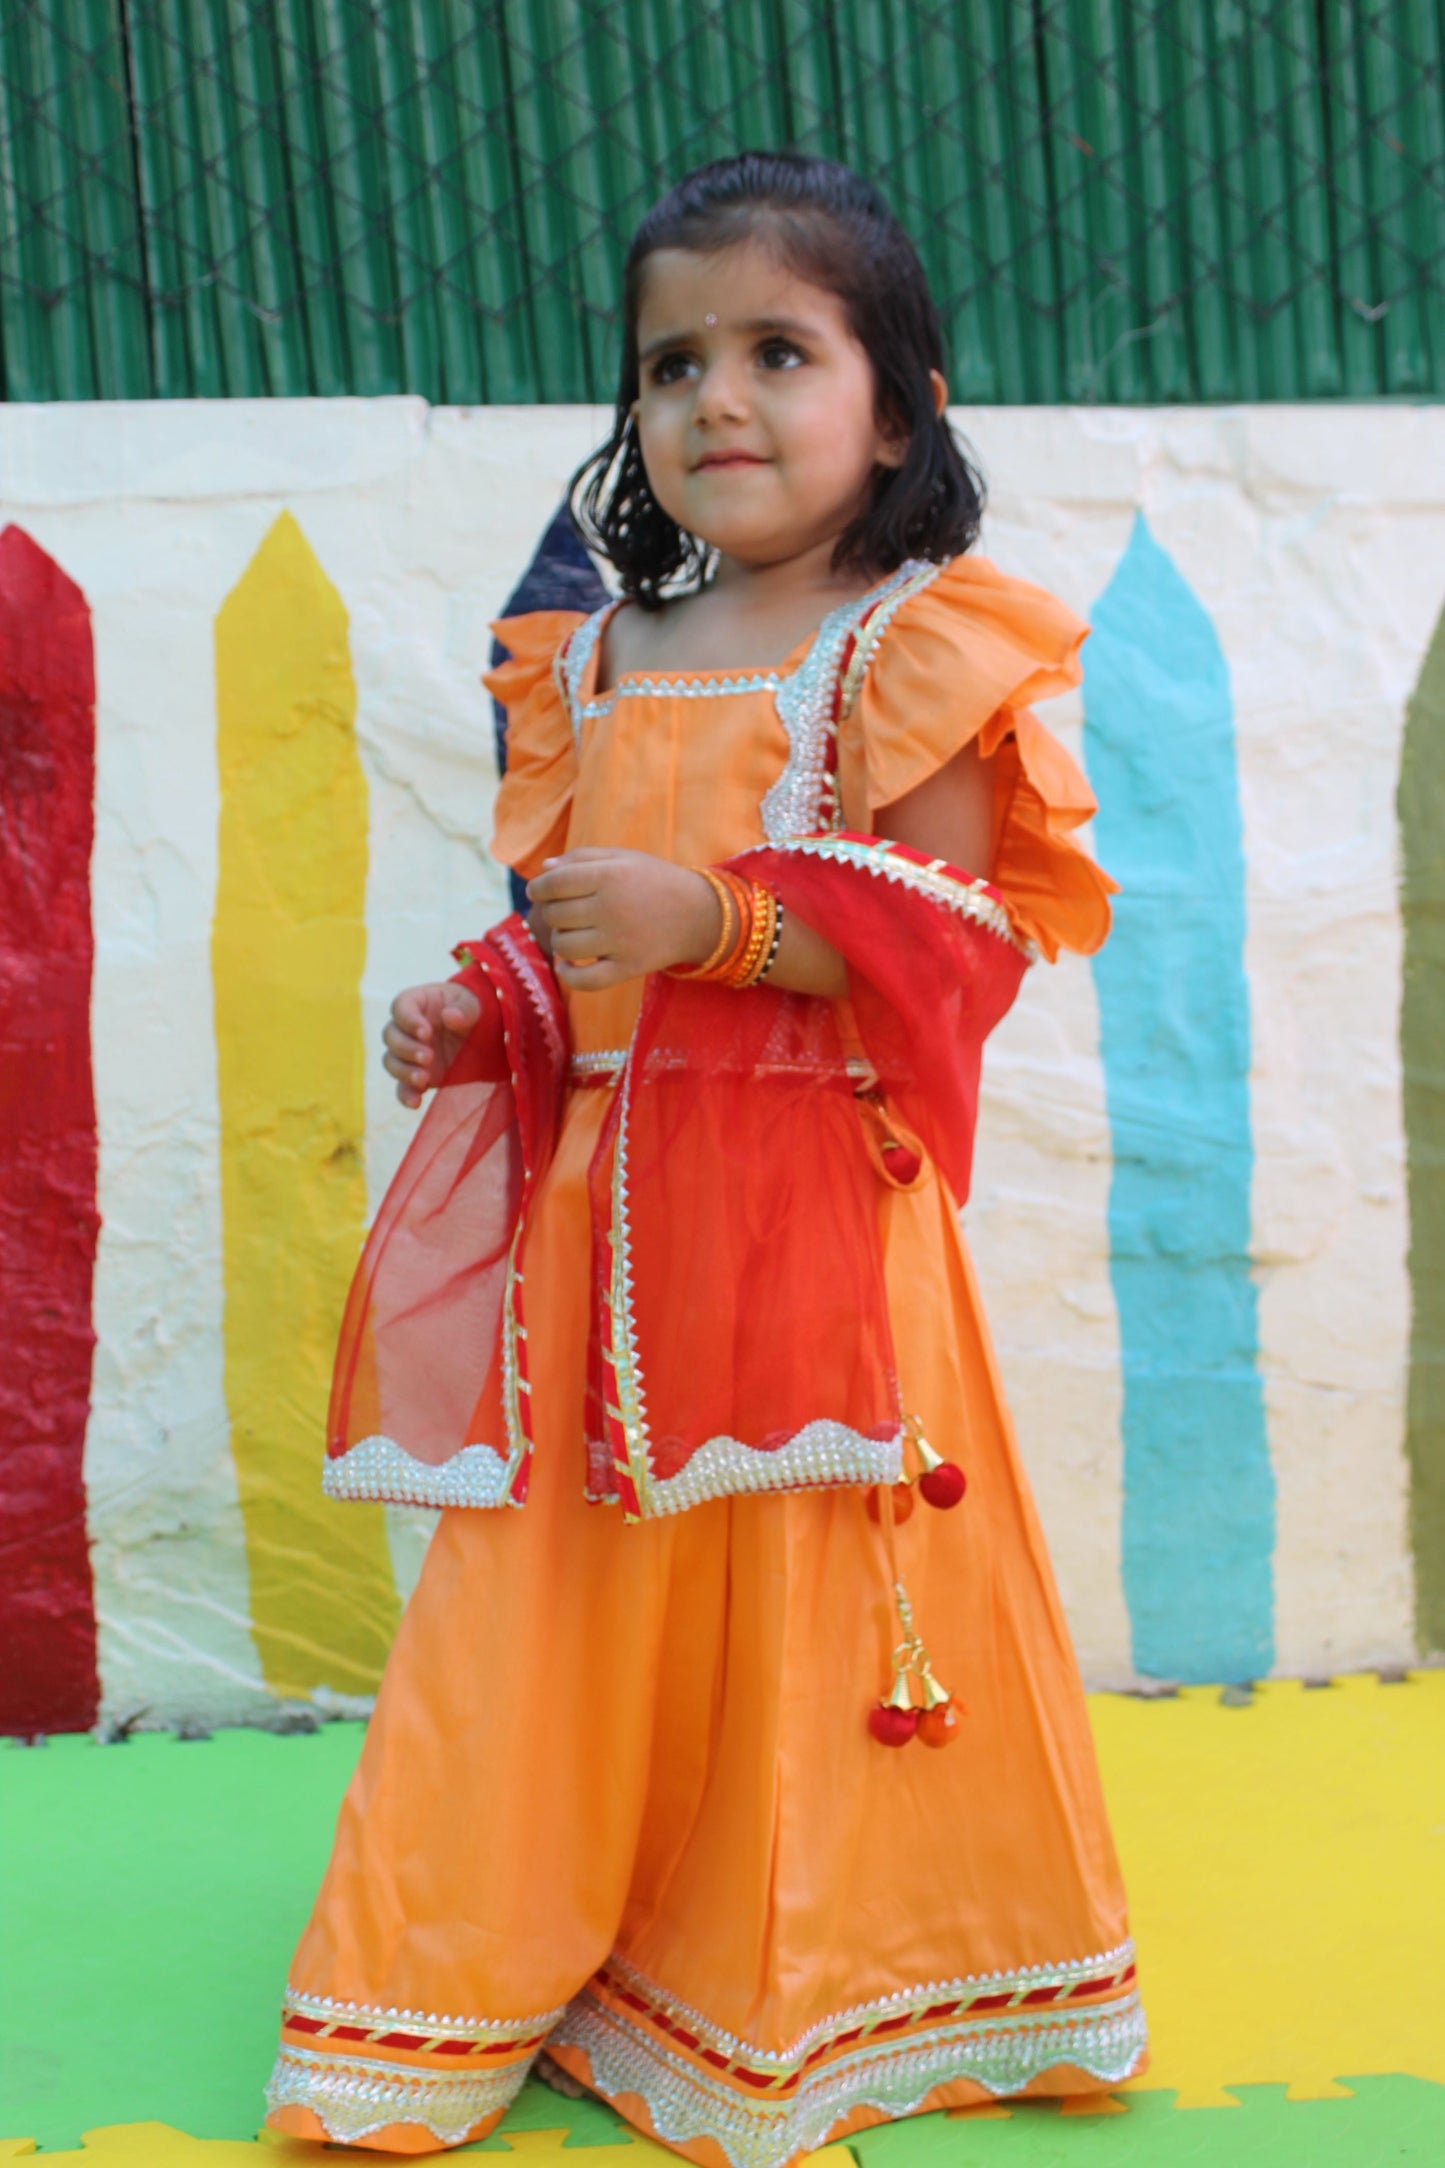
[669,368]
[779,354]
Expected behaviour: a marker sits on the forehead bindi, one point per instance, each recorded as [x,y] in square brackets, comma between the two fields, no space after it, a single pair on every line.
[733,292]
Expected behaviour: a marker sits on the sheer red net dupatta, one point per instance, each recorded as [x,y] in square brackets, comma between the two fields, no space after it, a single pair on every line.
[430,1390]
[740,1334]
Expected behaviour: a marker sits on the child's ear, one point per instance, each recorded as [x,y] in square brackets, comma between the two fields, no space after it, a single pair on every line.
[893,448]
[892,442]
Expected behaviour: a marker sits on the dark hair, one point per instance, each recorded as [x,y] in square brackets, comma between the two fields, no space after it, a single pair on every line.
[834,229]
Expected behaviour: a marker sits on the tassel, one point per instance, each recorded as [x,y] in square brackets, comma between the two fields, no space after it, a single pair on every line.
[894,1721]
[937,1721]
[938,1727]
[942,1482]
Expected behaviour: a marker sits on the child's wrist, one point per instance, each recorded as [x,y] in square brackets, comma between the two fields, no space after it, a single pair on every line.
[702,922]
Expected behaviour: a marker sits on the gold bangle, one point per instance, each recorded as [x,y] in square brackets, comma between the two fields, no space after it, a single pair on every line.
[767,939]
[773,946]
[765,944]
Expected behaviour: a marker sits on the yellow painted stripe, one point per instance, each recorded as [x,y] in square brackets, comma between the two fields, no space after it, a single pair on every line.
[287,948]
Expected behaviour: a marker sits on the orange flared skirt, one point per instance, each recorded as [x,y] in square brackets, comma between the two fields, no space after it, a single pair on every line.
[620,1798]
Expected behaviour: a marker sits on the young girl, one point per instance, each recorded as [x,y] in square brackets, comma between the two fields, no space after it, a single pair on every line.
[655,1789]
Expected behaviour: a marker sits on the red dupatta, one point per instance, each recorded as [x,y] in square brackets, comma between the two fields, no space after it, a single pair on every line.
[739,1336]
[429,1390]
[741,1339]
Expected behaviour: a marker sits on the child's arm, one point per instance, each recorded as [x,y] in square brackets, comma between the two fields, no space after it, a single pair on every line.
[949,815]
[615,915]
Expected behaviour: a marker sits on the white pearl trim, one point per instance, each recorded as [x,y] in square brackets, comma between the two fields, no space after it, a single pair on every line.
[380,1469]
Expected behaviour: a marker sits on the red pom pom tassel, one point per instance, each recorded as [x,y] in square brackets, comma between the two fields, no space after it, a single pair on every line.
[890,1726]
[894,1721]
[942,1482]
[944,1485]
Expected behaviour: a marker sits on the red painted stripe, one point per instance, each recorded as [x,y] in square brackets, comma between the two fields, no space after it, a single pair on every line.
[48,1217]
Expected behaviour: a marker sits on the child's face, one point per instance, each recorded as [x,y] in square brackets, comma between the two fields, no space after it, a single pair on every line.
[756,410]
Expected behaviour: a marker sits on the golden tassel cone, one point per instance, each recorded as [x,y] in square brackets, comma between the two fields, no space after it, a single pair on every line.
[895,1721]
[926,1454]
[902,1694]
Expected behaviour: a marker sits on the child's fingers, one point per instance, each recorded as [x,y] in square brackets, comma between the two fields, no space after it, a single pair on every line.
[573,916]
[584,945]
[402,1044]
[410,1082]
[406,1072]
[586,978]
[561,884]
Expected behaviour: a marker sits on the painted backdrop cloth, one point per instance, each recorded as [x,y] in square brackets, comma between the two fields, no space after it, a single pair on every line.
[619,1794]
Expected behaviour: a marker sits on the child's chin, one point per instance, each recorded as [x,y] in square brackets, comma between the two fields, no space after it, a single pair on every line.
[754,541]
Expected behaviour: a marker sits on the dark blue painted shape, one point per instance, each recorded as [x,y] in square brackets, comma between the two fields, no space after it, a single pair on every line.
[561,576]
[1198,1535]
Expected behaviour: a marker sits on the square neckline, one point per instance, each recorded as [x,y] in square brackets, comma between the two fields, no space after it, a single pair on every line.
[651,684]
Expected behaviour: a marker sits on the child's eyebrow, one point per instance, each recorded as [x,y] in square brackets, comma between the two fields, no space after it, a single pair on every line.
[792,326]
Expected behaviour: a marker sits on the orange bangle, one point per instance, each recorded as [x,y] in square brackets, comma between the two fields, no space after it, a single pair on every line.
[760,951]
[743,897]
[757,947]
[748,940]
[737,936]
[724,945]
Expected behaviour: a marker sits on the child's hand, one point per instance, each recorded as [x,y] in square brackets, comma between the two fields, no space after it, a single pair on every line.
[428,1024]
[615,915]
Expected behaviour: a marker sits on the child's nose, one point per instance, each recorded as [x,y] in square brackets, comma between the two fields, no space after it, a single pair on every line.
[721,391]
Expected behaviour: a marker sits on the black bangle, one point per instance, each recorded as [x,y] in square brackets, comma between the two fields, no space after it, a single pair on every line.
[773,948]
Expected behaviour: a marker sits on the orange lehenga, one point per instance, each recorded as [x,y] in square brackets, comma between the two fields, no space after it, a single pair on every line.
[619,1795]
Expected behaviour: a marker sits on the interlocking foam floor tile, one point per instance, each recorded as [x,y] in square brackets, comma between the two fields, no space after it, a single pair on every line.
[1286,1869]
[156,1890]
[156,2145]
[1286,1872]
[1394,2121]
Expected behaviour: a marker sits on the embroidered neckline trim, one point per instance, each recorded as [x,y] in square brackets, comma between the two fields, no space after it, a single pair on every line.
[576,654]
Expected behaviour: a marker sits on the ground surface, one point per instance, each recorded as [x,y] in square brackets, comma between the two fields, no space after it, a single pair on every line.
[1286,1867]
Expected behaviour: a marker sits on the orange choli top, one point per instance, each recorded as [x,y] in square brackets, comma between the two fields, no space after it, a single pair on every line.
[697,765]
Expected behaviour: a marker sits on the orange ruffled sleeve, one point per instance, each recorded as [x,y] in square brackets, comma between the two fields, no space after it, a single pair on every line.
[963,659]
[535,796]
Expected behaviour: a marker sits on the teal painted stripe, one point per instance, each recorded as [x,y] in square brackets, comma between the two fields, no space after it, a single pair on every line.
[1198,1534]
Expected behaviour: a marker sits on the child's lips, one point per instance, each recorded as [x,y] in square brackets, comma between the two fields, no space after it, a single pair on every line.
[710,461]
